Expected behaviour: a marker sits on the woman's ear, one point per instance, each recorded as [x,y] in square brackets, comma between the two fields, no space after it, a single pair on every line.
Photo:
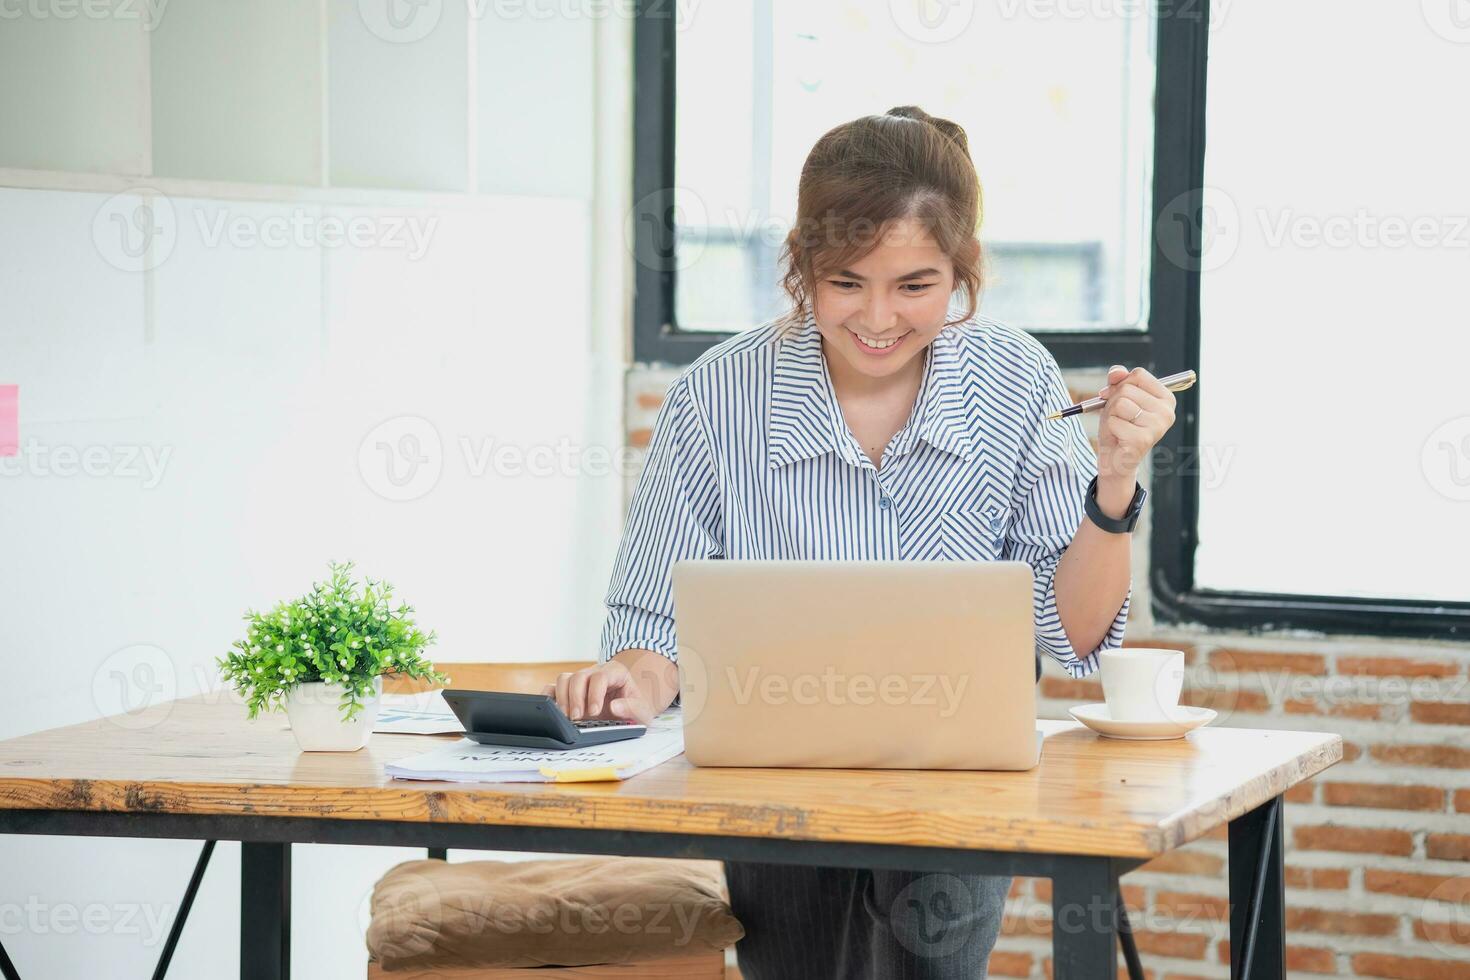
[971,250]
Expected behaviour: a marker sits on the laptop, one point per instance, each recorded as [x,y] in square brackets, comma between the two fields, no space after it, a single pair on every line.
[857,664]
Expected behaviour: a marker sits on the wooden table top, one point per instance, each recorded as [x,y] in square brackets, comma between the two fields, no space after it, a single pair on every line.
[1089,795]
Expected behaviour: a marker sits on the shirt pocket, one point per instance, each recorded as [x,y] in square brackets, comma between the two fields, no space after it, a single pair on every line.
[977,534]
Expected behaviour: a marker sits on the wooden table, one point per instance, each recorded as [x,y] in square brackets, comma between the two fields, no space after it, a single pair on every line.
[1094,809]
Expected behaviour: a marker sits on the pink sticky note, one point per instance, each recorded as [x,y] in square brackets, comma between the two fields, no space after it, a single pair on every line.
[9,420]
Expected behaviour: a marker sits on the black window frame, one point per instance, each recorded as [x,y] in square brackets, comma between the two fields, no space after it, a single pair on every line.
[656,336]
[1171,340]
[1174,313]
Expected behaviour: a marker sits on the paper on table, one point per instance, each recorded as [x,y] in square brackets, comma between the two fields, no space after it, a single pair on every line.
[470,762]
[416,714]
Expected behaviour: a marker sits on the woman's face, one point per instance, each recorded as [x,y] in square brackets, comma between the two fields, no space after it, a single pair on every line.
[880,312]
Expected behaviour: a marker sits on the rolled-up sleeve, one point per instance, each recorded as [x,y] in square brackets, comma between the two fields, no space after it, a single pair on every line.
[674,515]
[1057,463]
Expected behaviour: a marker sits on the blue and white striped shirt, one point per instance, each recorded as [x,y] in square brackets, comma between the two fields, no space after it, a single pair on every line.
[751,459]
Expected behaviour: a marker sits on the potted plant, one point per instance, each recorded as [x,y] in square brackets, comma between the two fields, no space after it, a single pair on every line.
[322,658]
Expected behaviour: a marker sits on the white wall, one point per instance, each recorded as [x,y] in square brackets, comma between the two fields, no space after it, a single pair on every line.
[238,406]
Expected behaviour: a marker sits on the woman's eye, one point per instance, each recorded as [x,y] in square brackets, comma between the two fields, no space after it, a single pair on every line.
[916,287]
[843,283]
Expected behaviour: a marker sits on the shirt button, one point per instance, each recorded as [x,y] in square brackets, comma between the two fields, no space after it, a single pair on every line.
[884,503]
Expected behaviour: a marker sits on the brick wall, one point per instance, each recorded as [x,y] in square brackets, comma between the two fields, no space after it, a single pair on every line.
[1378,846]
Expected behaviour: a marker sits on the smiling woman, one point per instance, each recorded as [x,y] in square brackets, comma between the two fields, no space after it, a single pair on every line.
[888,208]
[875,421]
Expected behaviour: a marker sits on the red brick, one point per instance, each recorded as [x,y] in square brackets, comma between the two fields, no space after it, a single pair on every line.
[1291,663]
[1408,967]
[1181,945]
[1396,667]
[1442,888]
[1454,931]
[1356,710]
[1448,847]
[1301,793]
[1440,712]
[1347,709]
[1360,840]
[1351,751]
[1383,796]
[1462,800]
[1341,923]
[1004,964]
[640,438]
[1041,888]
[1193,907]
[1225,701]
[650,400]
[1334,879]
[1438,756]
[1071,689]
[1309,959]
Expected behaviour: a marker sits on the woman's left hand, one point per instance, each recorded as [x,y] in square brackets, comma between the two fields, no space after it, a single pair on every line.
[1138,413]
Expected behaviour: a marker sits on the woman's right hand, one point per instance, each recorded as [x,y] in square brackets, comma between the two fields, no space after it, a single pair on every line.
[606,690]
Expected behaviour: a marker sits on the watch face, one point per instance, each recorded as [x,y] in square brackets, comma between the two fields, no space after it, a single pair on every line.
[1137,507]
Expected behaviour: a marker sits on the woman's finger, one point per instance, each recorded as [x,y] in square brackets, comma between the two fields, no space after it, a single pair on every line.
[596,689]
[577,691]
[562,680]
[631,708]
[1116,375]
[1145,380]
[1143,396]
[1125,408]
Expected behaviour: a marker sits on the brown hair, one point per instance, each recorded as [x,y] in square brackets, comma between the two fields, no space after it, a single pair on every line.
[864,174]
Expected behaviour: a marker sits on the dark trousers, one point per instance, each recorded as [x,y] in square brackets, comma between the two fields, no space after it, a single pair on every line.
[853,924]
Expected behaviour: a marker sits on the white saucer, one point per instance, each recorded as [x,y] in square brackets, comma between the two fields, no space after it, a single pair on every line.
[1183,720]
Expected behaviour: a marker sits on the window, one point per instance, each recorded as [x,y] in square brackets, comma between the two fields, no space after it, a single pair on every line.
[1324,295]
[1318,476]
[1057,106]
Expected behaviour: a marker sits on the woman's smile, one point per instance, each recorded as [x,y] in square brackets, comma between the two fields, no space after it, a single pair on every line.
[876,346]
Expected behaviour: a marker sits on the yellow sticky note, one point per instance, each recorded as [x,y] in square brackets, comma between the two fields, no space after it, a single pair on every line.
[581,775]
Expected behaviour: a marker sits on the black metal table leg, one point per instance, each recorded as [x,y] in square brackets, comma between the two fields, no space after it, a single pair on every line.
[1125,938]
[177,929]
[265,911]
[7,968]
[1257,894]
[1084,923]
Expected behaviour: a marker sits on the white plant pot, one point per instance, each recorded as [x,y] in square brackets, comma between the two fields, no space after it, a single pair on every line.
[315,712]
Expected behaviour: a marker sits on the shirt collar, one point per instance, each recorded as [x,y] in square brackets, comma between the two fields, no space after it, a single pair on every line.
[806,421]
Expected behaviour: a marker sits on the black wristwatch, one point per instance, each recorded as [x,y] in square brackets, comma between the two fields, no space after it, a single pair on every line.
[1115,525]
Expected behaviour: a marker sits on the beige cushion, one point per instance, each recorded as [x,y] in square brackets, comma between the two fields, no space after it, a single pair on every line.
[547,912]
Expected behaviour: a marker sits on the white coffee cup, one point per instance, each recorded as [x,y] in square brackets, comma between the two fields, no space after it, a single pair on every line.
[1142,684]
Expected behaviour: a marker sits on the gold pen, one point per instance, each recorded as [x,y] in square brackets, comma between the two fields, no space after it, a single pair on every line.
[1174,382]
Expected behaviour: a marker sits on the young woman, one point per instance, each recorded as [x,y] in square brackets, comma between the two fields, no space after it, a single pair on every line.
[875,421]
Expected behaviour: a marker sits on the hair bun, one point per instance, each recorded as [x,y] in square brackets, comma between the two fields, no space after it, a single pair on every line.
[953,130]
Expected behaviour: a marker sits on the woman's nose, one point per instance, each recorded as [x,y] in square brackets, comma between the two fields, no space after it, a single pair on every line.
[880,315]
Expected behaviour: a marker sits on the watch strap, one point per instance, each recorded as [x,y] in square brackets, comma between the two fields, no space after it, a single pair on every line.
[1114,525]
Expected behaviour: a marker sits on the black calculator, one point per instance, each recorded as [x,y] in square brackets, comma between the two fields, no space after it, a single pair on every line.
[532,721]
